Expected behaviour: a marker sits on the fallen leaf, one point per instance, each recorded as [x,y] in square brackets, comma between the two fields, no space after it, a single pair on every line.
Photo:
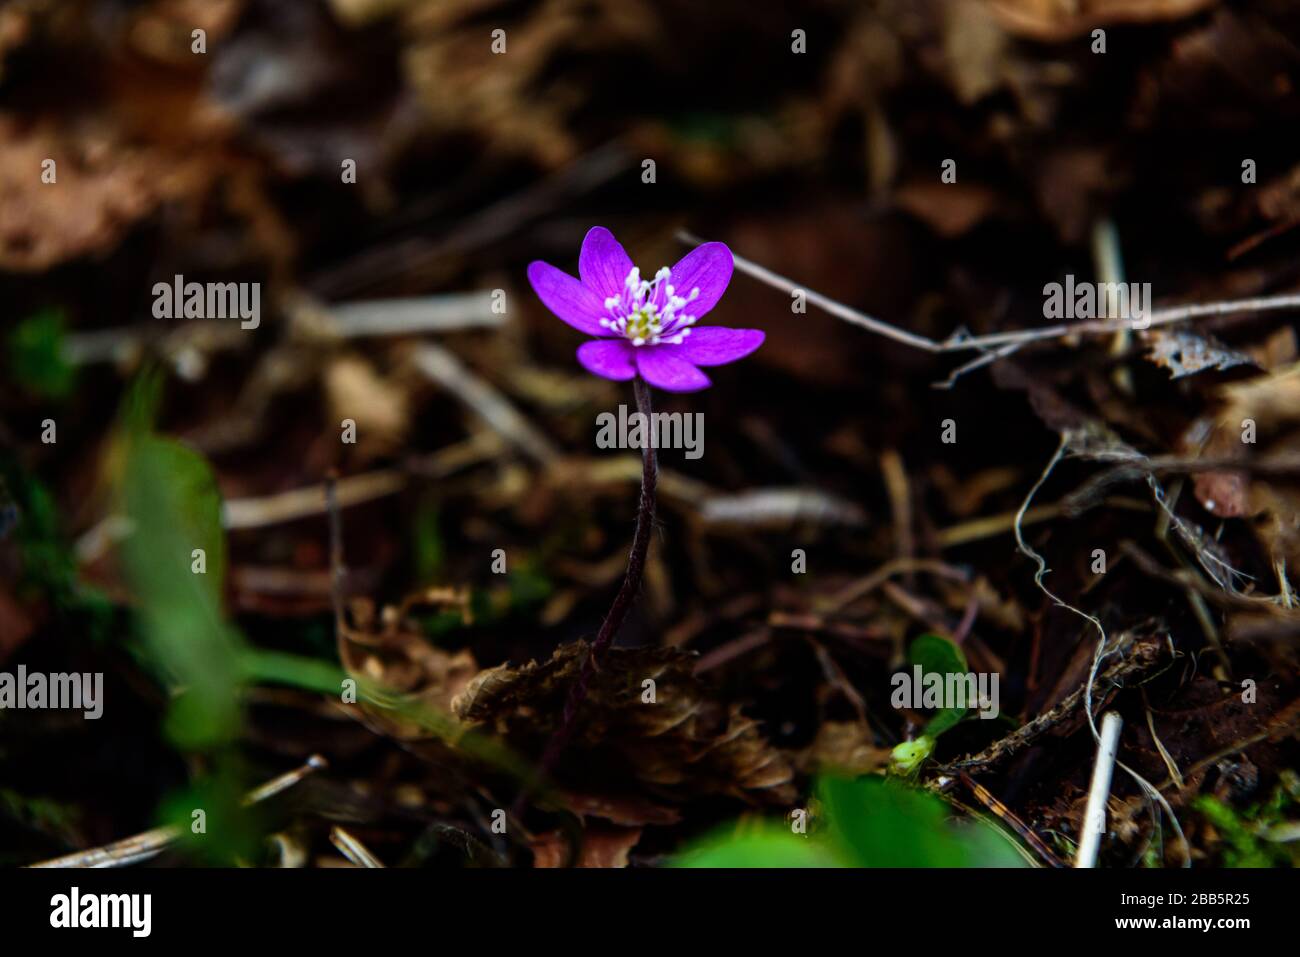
[1185,352]
[601,847]
[682,745]
[1056,20]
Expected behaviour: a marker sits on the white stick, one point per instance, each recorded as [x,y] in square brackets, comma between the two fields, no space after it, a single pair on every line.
[1094,816]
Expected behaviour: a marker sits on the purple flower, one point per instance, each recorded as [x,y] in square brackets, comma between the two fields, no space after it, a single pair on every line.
[645,327]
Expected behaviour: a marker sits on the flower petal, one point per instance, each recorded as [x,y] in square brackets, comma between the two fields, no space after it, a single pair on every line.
[569,299]
[665,369]
[718,345]
[707,267]
[603,263]
[610,358]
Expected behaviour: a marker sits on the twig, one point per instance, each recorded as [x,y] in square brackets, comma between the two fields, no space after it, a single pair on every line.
[964,343]
[1005,814]
[1094,815]
[1134,658]
[1100,653]
[733,649]
[987,526]
[441,366]
[353,849]
[309,501]
[991,356]
[1187,580]
[141,847]
[899,492]
[449,312]
[854,634]
[412,316]
[852,592]
[780,508]
[838,309]
[1170,763]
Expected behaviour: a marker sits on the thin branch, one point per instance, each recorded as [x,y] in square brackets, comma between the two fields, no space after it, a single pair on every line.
[838,309]
[444,368]
[351,848]
[309,501]
[151,843]
[1101,651]
[1134,657]
[965,343]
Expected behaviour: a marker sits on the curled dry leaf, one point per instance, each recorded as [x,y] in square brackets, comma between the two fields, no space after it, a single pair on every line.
[394,655]
[683,744]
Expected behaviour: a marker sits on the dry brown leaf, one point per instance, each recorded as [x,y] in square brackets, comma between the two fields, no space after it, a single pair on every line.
[950,209]
[623,810]
[380,406]
[683,744]
[394,655]
[601,847]
[1062,19]
[102,188]
[1279,349]
[164,30]
[517,105]
[1269,406]
[844,746]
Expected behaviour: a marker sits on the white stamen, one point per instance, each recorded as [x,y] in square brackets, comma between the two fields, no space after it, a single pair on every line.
[638,316]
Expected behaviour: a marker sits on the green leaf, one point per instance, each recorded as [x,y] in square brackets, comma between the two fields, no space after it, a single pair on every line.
[882,822]
[230,832]
[771,845]
[171,499]
[937,655]
[870,822]
[36,359]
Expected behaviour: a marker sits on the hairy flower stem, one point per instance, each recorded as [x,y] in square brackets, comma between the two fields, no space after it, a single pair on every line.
[645,515]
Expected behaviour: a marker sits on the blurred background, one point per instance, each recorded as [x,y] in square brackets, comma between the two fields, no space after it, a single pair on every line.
[808,136]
